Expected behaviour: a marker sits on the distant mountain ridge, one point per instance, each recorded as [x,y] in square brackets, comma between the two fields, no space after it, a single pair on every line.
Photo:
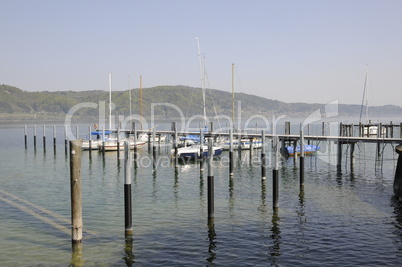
[18,104]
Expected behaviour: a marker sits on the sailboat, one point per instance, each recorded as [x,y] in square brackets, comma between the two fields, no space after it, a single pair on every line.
[368,129]
[114,143]
[193,151]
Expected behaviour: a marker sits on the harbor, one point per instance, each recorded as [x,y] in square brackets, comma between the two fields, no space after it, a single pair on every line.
[170,206]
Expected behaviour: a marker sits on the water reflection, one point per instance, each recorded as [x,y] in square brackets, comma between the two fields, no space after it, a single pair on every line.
[275,248]
[231,197]
[129,257]
[212,242]
[76,255]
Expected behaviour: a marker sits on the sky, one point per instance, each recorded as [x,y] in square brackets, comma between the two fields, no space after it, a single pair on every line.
[312,51]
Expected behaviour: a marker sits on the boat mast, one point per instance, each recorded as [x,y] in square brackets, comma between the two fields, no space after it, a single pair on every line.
[141,101]
[364,97]
[233,102]
[129,91]
[110,100]
[202,76]
[366,84]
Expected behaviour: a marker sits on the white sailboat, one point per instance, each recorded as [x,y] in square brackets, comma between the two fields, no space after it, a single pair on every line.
[194,151]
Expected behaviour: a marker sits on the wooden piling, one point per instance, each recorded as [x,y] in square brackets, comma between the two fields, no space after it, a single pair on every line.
[76,191]
[352,156]
[128,224]
[339,157]
[210,180]
[263,159]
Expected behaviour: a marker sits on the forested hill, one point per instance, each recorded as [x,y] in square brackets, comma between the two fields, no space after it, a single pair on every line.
[167,100]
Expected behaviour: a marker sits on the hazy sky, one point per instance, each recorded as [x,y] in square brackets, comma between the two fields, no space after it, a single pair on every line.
[312,51]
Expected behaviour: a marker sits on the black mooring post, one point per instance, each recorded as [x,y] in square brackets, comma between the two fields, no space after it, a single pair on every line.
[25,136]
[210,181]
[231,152]
[301,156]
[275,176]
[263,160]
[128,224]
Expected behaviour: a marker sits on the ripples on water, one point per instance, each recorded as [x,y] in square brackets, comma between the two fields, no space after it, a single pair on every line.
[335,220]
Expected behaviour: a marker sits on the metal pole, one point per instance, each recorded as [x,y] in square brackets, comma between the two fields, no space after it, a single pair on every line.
[135,147]
[25,136]
[201,151]
[76,191]
[54,139]
[210,181]
[35,137]
[153,150]
[275,177]
[127,191]
[231,152]
[44,138]
[176,156]
[263,159]
[65,140]
[90,141]
[301,156]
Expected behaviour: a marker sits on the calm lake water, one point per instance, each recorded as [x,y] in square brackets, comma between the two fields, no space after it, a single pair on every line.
[343,219]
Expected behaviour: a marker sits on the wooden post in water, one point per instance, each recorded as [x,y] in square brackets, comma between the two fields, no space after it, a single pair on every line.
[231,152]
[275,176]
[263,159]
[76,191]
[127,191]
[210,181]
[201,151]
[352,156]
[44,138]
[339,157]
[301,156]
[323,129]
[25,137]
